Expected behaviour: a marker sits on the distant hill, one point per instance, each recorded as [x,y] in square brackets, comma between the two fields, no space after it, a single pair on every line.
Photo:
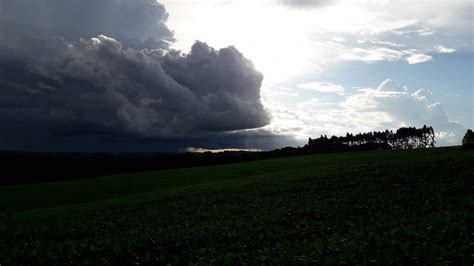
[36,167]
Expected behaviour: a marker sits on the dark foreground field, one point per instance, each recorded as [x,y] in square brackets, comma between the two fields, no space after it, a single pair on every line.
[380,207]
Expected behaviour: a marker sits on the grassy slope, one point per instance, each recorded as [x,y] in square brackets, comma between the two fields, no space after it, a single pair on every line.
[109,187]
[384,206]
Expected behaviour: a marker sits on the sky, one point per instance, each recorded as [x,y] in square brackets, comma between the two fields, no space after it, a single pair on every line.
[175,75]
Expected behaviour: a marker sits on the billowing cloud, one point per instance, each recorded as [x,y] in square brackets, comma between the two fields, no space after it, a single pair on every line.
[226,83]
[100,75]
[398,107]
[389,106]
[402,108]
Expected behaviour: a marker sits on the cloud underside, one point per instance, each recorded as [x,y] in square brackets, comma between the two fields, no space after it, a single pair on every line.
[107,78]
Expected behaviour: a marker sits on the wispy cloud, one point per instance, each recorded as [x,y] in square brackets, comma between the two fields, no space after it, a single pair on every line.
[412,56]
[444,50]
[323,87]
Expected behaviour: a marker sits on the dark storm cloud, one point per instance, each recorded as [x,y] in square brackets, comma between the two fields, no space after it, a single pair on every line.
[226,83]
[99,75]
[136,23]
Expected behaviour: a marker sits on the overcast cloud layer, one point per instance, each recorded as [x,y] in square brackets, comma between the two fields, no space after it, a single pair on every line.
[99,75]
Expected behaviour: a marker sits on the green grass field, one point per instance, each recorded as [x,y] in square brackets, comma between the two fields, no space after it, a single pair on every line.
[377,207]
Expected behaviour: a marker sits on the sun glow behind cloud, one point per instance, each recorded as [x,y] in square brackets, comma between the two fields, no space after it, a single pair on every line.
[284,42]
[295,45]
[273,38]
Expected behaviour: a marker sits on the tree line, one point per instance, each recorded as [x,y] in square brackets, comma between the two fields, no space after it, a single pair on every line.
[403,138]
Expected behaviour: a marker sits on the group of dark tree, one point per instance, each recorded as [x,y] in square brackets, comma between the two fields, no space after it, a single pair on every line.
[468,140]
[403,138]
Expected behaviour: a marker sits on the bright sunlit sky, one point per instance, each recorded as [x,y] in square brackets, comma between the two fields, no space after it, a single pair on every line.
[336,66]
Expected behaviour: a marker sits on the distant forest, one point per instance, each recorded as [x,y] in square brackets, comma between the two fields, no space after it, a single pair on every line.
[21,167]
